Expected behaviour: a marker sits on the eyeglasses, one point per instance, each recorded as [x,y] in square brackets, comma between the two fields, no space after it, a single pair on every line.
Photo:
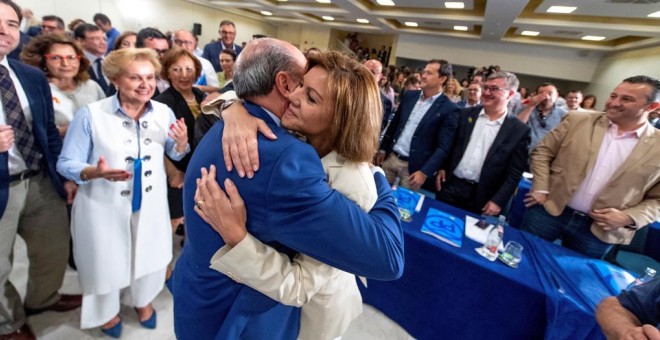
[492,89]
[542,120]
[58,58]
[184,42]
[227,33]
[179,70]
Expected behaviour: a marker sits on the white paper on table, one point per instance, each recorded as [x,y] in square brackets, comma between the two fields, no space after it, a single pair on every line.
[477,234]
[418,207]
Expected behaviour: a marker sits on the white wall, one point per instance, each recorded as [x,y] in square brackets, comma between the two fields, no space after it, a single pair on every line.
[167,15]
[615,67]
[552,62]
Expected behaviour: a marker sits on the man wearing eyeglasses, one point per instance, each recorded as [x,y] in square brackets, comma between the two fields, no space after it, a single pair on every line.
[52,24]
[208,81]
[541,112]
[227,35]
[94,44]
[154,39]
[489,153]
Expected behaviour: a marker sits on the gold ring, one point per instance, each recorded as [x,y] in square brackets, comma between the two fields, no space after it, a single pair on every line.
[199,204]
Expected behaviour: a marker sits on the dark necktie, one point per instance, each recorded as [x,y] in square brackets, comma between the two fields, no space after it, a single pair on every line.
[99,73]
[23,138]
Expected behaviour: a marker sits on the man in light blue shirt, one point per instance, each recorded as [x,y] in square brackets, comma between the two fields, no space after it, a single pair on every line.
[541,113]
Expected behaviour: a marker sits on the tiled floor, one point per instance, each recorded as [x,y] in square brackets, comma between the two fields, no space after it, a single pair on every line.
[372,324]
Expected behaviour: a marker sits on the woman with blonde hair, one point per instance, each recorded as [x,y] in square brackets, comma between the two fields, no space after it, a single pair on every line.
[114,150]
[338,110]
[453,90]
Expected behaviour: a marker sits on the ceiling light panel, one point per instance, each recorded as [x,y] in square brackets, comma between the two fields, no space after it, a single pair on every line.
[561,9]
[455,5]
[529,33]
[593,38]
[410,24]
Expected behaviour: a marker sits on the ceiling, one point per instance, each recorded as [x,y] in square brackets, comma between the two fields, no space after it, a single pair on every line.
[623,24]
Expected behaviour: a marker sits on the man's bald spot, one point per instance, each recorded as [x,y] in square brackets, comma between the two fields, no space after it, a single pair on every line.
[375,67]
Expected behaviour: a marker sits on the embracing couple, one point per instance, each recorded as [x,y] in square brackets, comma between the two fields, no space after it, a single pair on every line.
[243,272]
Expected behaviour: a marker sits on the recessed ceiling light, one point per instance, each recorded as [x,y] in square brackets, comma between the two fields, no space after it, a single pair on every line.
[410,24]
[460,28]
[385,2]
[363,21]
[593,38]
[561,9]
[323,1]
[266,13]
[455,4]
[327,18]
[529,33]
[654,15]
[282,0]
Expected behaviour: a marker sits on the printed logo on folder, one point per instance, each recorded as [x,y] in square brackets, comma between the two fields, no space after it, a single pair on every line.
[445,227]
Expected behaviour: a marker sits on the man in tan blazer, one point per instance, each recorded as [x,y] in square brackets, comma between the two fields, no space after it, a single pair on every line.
[597,175]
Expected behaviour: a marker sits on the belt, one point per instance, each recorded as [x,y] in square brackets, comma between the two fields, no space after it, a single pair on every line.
[24,175]
[400,156]
[466,180]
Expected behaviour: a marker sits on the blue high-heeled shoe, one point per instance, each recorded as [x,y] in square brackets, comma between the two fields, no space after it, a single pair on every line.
[114,331]
[149,323]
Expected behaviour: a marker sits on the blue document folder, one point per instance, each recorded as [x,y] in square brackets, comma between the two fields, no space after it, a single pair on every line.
[445,227]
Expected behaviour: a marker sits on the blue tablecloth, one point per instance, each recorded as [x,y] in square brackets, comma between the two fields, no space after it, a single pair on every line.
[454,293]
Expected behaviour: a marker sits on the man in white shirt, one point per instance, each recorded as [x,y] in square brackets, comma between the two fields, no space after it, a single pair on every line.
[573,100]
[489,153]
[421,133]
[94,44]
[208,80]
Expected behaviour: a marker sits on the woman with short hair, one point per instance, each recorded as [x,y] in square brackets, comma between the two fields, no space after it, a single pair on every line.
[114,151]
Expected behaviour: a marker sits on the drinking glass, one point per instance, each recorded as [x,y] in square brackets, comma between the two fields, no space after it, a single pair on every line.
[512,254]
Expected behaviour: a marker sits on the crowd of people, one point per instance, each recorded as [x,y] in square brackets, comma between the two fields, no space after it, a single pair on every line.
[262,156]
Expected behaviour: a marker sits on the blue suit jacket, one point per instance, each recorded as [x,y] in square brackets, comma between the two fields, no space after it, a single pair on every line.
[45,133]
[212,53]
[433,138]
[290,207]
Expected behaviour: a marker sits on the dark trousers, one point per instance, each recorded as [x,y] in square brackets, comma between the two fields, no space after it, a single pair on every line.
[460,193]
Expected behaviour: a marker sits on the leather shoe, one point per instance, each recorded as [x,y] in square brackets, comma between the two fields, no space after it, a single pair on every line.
[23,333]
[65,303]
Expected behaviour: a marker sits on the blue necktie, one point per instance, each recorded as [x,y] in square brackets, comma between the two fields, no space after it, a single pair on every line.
[23,138]
[137,184]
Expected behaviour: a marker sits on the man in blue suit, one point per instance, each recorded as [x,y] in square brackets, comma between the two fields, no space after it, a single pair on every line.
[227,36]
[31,191]
[290,207]
[420,136]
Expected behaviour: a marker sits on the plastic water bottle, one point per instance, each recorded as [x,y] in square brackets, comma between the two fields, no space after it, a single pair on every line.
[494,239]
[649,274]
[395,185]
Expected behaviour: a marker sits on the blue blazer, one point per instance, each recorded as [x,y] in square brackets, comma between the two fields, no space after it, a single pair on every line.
[290,207]
[45,133]
[212,53]
[433,138]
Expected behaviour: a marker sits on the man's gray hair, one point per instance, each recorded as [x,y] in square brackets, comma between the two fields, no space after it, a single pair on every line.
[510,79]
[257,66]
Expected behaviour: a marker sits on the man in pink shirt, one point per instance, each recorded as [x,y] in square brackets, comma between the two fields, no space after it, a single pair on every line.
[597,176]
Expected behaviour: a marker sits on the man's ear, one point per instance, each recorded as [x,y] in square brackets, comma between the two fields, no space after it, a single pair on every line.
[284,83]
[653,106]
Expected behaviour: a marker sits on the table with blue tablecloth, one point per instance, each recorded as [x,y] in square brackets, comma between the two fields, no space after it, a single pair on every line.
[449,292]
